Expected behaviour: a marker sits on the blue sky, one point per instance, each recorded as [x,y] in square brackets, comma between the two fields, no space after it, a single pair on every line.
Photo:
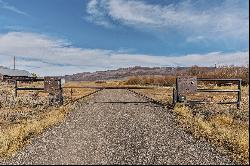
[70,36]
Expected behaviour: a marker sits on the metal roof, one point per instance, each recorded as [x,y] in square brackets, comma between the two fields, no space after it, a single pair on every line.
[12,72]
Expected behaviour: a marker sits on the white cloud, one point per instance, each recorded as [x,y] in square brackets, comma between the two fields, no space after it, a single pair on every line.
[226,20]
[97,16]
[195,39]
[6,6]
[48,56]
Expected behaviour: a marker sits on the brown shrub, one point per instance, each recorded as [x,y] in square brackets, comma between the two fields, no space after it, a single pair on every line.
[223,72]
[201,72]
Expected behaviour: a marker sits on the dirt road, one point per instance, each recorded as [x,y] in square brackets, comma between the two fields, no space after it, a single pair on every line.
[118,127]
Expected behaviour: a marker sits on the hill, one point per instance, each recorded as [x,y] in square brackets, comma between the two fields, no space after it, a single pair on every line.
[123,73]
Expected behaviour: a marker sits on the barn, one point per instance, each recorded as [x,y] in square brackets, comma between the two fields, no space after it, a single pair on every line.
[9,74]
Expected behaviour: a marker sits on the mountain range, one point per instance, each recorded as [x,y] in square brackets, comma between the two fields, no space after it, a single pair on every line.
[123,73]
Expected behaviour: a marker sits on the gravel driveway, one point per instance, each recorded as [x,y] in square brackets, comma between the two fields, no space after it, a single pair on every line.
[118,127]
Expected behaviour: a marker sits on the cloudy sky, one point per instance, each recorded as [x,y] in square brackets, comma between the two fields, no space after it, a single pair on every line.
[57,37]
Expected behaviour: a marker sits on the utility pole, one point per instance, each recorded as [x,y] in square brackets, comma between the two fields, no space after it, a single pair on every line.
[14,63]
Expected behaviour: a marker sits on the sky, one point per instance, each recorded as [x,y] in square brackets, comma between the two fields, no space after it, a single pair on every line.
[58,37]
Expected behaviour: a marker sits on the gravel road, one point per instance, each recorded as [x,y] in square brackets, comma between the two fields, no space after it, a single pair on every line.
[117,127]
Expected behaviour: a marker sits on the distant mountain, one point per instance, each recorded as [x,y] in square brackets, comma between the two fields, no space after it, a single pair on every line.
[123,73]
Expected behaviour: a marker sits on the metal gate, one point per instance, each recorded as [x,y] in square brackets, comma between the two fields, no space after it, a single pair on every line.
[188,85]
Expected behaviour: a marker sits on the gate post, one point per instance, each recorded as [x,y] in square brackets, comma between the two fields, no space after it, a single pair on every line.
[15,88]
[174,97]
[52,85]
[185,85]
[239,94]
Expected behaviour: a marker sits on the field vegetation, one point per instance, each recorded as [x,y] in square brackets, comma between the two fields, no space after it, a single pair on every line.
[200,72]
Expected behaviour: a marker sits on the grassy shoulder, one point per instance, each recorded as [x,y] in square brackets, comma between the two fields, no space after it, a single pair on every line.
[223,130]
[16,135]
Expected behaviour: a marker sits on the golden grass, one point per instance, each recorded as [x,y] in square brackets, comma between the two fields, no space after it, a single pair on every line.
[221,130]
[151,80]
[163,94]
[15,136]
[76,94]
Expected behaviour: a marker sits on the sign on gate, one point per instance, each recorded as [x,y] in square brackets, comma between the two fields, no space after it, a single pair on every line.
[186,85]
[52,85]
